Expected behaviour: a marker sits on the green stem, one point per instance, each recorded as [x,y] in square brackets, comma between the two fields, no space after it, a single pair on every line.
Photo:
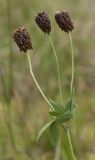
[58,69]
[72,76]
[9,124]
[8,89]
[32,74]
[57,151]
[67,144]
[9,23]
[8,121]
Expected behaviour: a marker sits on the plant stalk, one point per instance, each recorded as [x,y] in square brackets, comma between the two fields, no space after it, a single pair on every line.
[8,89]
[72,75]
[39,88]
[9,22]
[58,69]
[57,150]
[8,121]
[67,144]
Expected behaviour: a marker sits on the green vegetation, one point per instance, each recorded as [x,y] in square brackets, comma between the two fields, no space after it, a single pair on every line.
[20,101]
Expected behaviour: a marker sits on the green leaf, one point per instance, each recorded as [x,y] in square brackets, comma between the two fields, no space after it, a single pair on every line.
[53,113]
[54,133]
[70,105]
[64,118]
[57,106]
[44,129]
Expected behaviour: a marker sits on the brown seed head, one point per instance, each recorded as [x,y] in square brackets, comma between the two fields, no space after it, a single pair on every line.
[22,39]
[43,22]
[64,21]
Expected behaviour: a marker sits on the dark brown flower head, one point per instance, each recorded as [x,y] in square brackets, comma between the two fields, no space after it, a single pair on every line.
[43,22]
[64,21]
[22,39]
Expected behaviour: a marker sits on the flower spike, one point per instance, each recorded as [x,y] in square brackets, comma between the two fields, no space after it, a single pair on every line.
[22,39]
[64,21]
[43,22]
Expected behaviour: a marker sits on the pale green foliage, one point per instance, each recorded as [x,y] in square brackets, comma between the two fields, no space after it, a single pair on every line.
[44,129]
[54,132]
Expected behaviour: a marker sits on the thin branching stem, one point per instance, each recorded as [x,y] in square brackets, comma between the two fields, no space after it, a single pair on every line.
[39,88]
[58,69]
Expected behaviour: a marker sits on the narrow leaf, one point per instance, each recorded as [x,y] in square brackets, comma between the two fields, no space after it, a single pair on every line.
[57,106]
[70,106]
[44,129]
[54,133]
[65,117]
[53,113]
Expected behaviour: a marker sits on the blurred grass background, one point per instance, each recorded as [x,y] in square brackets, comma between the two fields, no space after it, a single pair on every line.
[29,112]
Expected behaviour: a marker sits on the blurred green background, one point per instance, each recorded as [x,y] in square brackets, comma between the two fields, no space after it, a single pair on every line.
[29,111]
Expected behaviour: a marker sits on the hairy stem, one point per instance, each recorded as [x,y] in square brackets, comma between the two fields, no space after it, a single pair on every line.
[58,69]
[39,88]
